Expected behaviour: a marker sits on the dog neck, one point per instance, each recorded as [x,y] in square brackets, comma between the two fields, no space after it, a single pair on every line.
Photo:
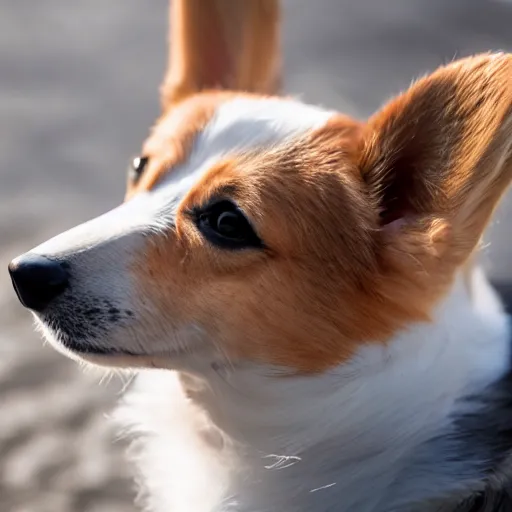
[397,428]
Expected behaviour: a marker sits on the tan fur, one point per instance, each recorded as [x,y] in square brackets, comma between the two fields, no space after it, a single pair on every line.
[226,44]
[172,137]
[215,48]
[439,156]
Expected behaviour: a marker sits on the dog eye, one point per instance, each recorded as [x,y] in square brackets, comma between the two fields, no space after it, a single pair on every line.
[137,168]
[224,224]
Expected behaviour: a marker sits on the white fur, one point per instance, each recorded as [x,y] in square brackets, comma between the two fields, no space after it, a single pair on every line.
[244,123]
[338,441]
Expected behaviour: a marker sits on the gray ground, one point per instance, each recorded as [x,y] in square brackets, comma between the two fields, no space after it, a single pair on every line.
[78,90]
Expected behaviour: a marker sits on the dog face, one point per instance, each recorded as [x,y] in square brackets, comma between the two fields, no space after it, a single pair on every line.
[257,228]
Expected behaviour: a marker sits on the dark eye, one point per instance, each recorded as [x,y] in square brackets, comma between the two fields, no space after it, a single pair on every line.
[137,168]
[224,225]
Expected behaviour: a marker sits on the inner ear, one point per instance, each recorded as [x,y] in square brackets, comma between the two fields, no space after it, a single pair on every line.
[399,192]
[441,150]
[393,198]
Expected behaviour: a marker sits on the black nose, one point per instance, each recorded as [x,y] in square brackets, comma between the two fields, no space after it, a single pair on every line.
[37,280]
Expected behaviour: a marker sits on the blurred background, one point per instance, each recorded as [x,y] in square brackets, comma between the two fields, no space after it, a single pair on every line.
[78,91]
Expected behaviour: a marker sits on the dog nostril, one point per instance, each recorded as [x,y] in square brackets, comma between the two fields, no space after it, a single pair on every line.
[37,280]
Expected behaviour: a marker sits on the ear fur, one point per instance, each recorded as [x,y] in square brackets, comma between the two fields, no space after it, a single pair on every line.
[437,159]
[222,44]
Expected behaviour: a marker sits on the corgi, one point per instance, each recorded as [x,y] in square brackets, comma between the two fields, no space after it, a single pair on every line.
[295,289]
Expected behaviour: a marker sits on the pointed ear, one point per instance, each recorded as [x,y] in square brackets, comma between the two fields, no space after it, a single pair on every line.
[437,159]
[222,44]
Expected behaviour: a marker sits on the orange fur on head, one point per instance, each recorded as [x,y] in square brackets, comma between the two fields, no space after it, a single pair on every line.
[172,137]
[364,225]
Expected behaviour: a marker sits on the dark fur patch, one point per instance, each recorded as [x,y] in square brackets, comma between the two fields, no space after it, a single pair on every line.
[484,440]
[489,500]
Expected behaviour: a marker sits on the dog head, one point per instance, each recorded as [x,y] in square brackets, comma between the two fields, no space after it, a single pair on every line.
[257,228]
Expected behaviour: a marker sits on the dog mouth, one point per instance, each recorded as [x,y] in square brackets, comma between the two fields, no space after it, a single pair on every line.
[106,331]
[79,329]
[90,351]
[93,350]
[108,345]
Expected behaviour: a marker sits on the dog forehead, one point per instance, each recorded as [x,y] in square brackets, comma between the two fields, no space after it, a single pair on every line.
[233,128]
[251,123]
